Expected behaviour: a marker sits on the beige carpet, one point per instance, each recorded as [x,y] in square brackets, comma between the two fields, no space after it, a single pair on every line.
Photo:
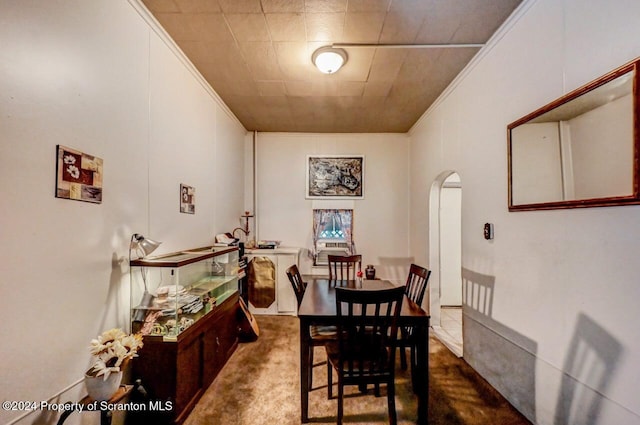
[260,385]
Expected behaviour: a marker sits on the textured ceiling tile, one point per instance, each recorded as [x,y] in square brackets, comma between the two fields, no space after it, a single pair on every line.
[372,109]
[283,6]
[216,52]
[265,75]
[410,100]
[211,27]
[198,6]
[453,61]
[261,59]
[221,87]
[401,27]
[412,6]
[248,26]
[363,27]
[482,19]
[235,68]
[196,51]
[301,108]
[323,88]
[248,120]
[385,64]
[277,114]
[376,88]
[241,107]
[351,88]
[286,26]
[418,63]
[213,74]
[315,6]
[294,60]
[240,6]
[178,26]
[161,6]
[441,23]
[357,66]
[278,103]
[368,5]
[271,88]
[400,115]
[324,26]
[247,88]
[299,88]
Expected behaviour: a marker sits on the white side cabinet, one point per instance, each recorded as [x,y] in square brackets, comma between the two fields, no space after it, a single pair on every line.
[269,290]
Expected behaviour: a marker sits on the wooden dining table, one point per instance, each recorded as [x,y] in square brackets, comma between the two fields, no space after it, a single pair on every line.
[318,307]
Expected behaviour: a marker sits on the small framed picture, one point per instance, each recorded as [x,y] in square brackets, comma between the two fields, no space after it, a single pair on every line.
[187,199]
[78,175]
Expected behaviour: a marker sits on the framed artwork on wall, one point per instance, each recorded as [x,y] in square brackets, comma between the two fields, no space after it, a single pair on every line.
[78,175]
[335,177]
[187,199]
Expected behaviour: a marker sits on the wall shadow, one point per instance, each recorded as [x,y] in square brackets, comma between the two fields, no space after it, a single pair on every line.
[394,269]
[477,292]
[512,372]
[588,369]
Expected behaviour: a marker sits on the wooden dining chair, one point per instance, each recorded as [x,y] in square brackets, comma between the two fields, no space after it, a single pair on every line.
[319,335]
[364,352]
[296,282]
[415,289]
[344,267]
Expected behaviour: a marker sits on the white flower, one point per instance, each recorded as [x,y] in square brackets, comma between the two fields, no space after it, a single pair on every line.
[69,159]
[74,171]
[111,350]
[131,343]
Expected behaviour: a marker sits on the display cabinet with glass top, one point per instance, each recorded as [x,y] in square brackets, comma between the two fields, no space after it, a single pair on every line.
[170,293]
[186,305]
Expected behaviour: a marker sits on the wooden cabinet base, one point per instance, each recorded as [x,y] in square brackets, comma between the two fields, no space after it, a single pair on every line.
[176,373]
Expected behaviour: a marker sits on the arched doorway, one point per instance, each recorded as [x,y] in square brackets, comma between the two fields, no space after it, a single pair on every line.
[445,250]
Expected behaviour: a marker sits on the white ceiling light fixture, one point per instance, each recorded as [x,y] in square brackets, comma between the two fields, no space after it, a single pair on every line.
[329,59]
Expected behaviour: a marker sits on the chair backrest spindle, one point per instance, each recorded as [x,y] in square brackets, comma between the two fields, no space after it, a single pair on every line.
[344,267]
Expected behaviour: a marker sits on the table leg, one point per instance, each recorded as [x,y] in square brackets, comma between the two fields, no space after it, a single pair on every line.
[65,414]
[304,370]
[105,417]
[420,377]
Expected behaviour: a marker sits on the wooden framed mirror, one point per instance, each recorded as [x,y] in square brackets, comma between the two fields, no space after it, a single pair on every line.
[580,150]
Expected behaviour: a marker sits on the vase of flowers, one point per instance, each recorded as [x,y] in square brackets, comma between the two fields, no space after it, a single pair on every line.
[110,351]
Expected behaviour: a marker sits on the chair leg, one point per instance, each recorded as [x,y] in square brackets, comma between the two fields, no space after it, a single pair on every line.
[340,400]
[414,362]
[311,367]
[403,357]
[391,399]
[329,380]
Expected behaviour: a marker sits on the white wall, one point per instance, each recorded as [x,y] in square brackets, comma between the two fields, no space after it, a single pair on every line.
[553,324]
[380,222]
[97,77]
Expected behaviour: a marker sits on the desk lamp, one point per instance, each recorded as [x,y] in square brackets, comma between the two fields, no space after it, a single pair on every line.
[142,247]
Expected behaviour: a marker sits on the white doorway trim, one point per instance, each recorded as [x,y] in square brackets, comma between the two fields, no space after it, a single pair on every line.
[435,262]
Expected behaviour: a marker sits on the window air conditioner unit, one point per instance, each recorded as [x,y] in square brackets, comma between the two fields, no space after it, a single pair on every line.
[324,249]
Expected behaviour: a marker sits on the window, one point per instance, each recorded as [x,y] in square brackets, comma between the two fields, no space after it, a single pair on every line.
[332,234]
[332,229]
